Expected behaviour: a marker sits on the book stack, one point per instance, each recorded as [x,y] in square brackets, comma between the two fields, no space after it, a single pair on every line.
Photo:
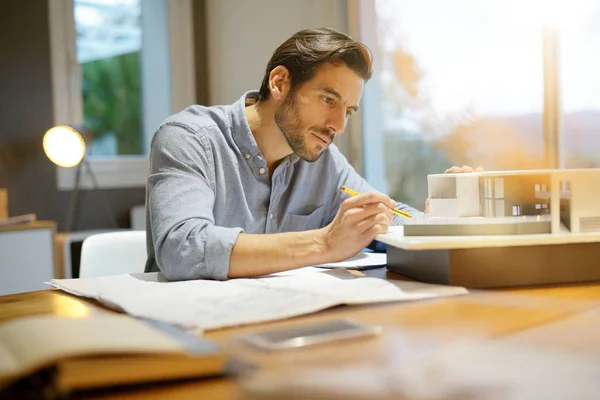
[102,351]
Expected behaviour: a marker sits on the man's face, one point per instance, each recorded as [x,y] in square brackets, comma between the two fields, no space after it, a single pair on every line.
[316,111]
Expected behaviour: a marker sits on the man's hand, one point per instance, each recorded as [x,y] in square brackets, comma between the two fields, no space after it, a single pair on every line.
[463,169]
[356,224]
[455,170]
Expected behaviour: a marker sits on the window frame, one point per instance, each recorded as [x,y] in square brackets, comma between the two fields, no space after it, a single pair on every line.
[121,171]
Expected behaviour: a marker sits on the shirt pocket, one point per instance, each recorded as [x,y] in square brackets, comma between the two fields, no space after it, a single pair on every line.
[303,222]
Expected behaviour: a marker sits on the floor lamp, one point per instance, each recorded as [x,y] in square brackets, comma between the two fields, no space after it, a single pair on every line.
[65,147]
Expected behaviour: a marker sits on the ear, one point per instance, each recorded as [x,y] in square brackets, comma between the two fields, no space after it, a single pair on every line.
[279,82]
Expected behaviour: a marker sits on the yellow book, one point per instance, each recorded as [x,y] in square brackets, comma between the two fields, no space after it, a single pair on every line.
[102,351]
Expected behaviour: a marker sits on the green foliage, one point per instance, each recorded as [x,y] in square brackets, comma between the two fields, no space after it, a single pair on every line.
[111,100]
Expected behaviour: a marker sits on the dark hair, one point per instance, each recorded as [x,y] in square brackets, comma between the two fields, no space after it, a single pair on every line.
[306,50]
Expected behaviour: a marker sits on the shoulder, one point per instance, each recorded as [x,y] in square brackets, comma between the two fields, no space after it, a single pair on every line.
[196,118]
[192,126]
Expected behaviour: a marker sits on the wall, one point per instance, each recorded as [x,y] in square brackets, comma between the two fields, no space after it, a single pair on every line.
[200,50]
[242,35]
[26,114]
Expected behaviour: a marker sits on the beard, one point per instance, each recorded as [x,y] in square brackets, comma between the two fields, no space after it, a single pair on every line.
[287,118]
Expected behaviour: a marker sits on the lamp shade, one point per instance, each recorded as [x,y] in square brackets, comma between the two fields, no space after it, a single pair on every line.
[64,146]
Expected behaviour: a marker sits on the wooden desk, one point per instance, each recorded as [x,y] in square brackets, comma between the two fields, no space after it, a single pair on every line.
[534,316]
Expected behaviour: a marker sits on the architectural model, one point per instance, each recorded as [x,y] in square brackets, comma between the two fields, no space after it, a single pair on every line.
[510,203]
[503,229]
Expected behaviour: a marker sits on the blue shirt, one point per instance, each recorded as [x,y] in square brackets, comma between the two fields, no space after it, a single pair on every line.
[208,181]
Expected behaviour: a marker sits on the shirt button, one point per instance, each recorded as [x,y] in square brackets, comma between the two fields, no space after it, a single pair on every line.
[262,170]
[247,156]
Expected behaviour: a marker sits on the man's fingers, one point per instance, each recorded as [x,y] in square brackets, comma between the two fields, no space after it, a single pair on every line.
[383,209]
[366,199]
[357,214]
[462,170]
[367,223]
[376,229]
[453,170]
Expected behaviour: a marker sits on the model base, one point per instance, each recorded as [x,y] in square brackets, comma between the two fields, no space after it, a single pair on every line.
[495,267]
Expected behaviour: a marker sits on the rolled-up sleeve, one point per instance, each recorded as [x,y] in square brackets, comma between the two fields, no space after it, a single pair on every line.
[181,196]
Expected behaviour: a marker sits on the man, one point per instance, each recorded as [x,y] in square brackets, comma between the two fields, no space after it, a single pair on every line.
[253,188]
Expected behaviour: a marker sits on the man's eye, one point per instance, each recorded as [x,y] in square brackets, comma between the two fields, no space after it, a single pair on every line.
[327,100]
[349,113]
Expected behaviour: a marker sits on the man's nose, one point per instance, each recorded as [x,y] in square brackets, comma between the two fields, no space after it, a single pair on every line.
[337,122]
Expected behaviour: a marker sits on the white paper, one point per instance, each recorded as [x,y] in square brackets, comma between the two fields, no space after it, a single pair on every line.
[360,261]
[207,304]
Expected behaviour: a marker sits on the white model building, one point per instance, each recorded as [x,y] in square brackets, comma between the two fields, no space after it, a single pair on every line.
[564,197]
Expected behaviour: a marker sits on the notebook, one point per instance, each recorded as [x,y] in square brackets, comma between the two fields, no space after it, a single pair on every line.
[101,351]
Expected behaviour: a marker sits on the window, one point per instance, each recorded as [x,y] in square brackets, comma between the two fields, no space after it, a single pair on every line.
[578,45]
[114,72]
[463,82]
[109,51]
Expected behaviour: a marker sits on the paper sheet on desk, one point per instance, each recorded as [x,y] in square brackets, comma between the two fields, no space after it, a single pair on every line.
[207,304]
[361,261]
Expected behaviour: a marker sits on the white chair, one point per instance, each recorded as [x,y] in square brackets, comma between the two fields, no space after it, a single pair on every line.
[113,253]
[137,216]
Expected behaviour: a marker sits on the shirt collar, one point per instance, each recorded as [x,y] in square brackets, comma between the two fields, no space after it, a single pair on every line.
[240,130]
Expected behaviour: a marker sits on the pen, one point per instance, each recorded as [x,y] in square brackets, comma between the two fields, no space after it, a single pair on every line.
[394,209]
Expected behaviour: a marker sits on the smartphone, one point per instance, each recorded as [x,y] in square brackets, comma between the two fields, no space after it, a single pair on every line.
[307,335]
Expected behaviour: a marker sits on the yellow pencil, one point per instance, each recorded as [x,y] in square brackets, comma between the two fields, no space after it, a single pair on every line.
[354,193]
